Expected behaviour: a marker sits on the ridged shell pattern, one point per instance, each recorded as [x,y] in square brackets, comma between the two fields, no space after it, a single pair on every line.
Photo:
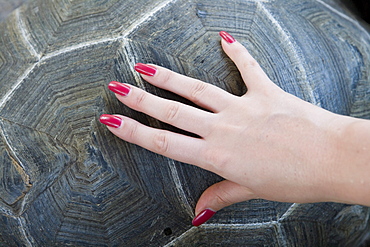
[66,180]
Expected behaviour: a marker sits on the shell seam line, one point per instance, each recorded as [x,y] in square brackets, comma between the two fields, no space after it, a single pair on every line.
[289,211]
[130,58]
[281,239]
[9,147]
[124,35]
[179,187]
[295,55]
[193,229]
[277,223]
[16,85]
[148,16]
[239,226]
[179,238]
[28,242]
[25,34]
[356,23]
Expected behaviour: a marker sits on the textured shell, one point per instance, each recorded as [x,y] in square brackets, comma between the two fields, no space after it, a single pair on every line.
[66,180]
[7,6]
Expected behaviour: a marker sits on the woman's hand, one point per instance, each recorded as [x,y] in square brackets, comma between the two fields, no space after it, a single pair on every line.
[266,144]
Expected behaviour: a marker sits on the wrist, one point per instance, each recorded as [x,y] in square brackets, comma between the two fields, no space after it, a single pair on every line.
[348,179]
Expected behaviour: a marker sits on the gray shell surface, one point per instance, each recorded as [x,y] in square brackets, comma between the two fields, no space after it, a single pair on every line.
[7,6]
[66,180]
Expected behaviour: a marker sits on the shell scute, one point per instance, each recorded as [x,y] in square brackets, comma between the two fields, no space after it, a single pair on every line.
[65,180]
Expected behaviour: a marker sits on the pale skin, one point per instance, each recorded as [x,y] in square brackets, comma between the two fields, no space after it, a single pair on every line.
[266,144]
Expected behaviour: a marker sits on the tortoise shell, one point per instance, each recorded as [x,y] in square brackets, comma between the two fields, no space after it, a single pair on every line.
[66,180]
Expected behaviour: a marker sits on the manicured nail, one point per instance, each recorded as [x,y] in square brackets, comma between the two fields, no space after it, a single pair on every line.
[203,216]
[111,120]
[119,88]
[227,37]
[145,69]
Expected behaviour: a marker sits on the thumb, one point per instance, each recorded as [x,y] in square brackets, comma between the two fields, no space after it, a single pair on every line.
[250,70]
[218,196]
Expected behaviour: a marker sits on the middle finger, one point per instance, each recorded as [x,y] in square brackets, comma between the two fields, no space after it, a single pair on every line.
[172,112]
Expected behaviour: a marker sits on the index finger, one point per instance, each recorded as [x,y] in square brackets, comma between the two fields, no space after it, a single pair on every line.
[205,95]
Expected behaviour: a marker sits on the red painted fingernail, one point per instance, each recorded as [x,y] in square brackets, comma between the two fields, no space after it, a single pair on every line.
[227,37]
[145,69]
[203,216]
[119,88]
[111,120]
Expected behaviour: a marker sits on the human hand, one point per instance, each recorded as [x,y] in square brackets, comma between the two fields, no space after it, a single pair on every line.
[266,144]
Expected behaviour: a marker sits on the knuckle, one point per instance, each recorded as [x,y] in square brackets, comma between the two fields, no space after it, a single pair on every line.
[172,112]
[140,99]
[131,133]
[161,142]
[250,63]
[197,91]
[222,198]
[166,76]
[216,160]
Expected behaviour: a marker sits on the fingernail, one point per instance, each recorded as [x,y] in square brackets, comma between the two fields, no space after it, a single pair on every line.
[203,216]
[111,120]
[227,37]
[145,69]
[119,88]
